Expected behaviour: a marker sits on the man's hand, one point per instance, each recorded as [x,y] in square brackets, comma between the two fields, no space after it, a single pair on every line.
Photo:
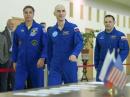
[14,66]
[73,58]
[40,63]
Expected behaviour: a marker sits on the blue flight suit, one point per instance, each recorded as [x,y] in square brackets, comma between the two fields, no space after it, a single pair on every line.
[28,46]
[105,41]
[62,44]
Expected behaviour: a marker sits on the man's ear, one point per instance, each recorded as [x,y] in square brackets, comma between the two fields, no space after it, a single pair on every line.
[114,22]
[54,13]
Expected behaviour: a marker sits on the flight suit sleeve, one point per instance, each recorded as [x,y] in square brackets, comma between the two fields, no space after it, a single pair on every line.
[78,42]
[49,50]
[123,48]
[96,54]
[15,47]
[44,45]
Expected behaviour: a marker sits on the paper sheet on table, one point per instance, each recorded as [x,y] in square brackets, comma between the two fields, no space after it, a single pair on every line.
[34,93]
[96,83]
[29,94]
[83,86]
[128,84]
[59,90]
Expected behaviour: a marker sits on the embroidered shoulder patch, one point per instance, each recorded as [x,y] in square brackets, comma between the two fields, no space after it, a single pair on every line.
[123,37]
[76,29]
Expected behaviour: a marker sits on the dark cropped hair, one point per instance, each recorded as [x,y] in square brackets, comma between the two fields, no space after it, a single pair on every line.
[42,23]
[110,16]
[29,6]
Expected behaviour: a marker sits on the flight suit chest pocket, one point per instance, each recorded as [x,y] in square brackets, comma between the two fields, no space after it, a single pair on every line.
[67,39]
[114,42]
[67,36]
[103,42]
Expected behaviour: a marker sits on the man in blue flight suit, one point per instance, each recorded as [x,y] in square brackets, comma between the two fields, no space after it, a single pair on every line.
[64,45]
[110,39]
[29,51]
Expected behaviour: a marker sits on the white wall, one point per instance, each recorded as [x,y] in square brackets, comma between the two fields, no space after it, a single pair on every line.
[44,9]
[111,8]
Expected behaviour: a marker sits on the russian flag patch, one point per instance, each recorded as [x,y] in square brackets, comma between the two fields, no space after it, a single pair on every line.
[76,29]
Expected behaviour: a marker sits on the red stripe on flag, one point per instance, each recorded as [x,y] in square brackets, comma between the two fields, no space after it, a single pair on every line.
[123,81]
[118,78]
[113,75]
[119,81]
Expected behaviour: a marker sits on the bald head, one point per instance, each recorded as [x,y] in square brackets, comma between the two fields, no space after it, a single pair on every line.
[58,7]
[10,24]
[9,21]
[60,12]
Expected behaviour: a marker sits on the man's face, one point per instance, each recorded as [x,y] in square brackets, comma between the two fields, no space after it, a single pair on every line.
[109,24]
[28,14]
[11,25]
[60,12]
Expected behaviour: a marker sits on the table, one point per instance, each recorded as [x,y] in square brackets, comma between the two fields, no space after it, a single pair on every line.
[84,89]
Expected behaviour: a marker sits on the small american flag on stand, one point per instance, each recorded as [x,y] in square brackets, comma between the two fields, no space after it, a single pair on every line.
[112,73]
[117,76]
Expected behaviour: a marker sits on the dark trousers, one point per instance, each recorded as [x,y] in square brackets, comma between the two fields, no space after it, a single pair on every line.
[10,81]
[29,83]
[3,79]
[11,77]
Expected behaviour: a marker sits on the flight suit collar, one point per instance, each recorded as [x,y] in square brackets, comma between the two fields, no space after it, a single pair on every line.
[33,24]
[65,25]
[112,32]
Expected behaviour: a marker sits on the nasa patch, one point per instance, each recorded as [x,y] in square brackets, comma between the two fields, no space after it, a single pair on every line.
[34,31]
[55,33]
